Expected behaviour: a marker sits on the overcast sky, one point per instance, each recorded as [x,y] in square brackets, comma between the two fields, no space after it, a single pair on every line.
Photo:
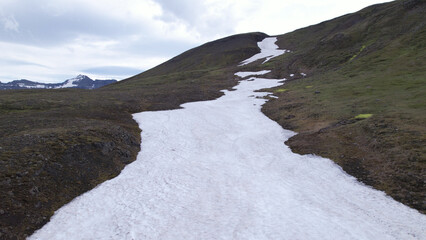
[53,40]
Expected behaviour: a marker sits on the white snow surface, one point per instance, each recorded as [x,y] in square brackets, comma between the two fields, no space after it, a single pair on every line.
[246,74]
[23,85]
[36,86]
[68,84]
[220,170]
[268,50]
[72,82]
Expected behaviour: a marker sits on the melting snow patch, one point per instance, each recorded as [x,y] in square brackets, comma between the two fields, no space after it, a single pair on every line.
[68,84]
[246,74]
[303,74]
[219,170]
[292,75]
[268,50]
[37,86]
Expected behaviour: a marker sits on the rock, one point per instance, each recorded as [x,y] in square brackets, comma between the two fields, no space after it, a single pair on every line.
[34,190]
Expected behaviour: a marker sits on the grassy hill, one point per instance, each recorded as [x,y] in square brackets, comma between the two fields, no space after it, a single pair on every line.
[362,104]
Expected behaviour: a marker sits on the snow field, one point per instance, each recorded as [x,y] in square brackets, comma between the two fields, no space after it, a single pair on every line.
[219,170]
[268,50]
[246,74]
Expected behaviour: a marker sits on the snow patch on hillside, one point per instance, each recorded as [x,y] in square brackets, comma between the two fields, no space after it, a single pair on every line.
[36,86]
[246,74]
[268,50]
[219,170]
[68,84]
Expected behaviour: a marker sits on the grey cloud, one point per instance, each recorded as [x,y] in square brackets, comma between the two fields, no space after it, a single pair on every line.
[148,47]
[47,78]
[113,70]
[195,15]
[7,78]
[10,23]
[20,62]
[32,23]
[187,10]
[41,27]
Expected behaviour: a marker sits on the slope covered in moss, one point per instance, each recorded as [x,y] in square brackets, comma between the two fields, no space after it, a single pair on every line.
[363,101]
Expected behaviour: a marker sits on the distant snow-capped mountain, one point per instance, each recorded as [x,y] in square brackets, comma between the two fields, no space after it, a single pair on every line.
[81,81]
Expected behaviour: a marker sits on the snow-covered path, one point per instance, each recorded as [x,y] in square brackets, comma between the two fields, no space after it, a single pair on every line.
[219,170]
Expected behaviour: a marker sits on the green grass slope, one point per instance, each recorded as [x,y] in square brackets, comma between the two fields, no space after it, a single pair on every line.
[363,103]
[57,144]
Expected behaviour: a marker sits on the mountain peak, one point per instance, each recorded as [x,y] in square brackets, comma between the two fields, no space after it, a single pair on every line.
[79,78]
[80,81]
